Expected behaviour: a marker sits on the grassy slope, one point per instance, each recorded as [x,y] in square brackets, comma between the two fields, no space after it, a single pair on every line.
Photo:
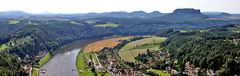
[3,47]
[32,23]
[132,49]
[35,72]
[81,65]
[80,61]
[91,21]
[158,72]
[76,23]
[13,22]
[86,73]
[45,59]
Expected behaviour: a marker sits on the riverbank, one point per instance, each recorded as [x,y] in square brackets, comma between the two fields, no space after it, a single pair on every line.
[45,59]
[63,53]
[61,64]
[63,58]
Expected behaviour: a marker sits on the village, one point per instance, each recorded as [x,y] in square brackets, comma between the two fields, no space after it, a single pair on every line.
[108,60]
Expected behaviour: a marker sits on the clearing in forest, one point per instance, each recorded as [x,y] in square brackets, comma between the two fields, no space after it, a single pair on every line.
[107,25]
[13,22]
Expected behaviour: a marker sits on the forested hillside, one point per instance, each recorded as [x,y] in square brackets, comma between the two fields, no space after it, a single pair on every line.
[213,49]
[30,35]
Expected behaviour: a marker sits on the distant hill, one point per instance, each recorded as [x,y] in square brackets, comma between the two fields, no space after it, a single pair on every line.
[121,14]
[13,13]
[185,14]
[178,14]
[141,14]
[217,14]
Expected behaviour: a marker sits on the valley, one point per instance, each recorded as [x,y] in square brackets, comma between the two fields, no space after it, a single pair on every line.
[184,42]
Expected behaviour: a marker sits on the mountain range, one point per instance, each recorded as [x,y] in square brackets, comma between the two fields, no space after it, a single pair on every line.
[184,13]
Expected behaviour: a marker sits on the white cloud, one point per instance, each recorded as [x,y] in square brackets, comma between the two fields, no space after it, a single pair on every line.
[83,6]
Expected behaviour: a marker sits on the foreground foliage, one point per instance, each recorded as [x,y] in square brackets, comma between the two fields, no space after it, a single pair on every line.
[9,65]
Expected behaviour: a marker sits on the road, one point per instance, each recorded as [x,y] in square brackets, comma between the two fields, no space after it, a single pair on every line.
[62,64]
[111,73]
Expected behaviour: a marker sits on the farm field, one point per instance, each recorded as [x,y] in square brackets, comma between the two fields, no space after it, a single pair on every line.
[132,49]
[108,43]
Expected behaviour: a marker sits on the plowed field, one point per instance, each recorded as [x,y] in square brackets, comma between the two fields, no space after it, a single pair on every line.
[107,43]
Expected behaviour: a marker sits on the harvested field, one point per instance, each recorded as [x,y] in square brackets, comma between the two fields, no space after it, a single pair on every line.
[108,43]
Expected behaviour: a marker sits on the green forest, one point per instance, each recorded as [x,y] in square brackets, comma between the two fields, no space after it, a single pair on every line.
[216,49]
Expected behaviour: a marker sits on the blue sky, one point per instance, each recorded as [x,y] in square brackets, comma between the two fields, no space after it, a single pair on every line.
[85,6]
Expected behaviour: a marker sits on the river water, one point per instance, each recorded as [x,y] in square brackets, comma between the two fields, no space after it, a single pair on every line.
[64,61]
[62,64]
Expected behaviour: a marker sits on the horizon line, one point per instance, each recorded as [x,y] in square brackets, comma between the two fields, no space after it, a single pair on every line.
[47,12]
